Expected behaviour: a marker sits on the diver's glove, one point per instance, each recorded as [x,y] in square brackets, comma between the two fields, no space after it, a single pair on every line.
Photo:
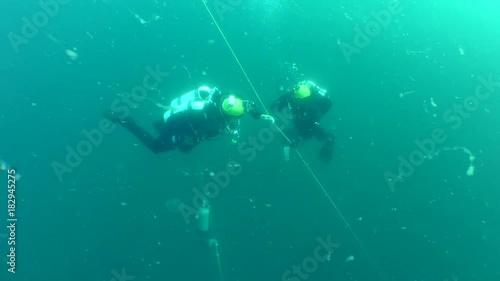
[267,117]
[326,152]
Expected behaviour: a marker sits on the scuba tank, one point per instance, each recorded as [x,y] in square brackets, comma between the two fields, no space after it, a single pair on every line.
[202,93]
[193,100]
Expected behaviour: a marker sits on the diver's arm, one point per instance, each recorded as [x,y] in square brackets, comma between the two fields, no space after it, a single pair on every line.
[217,96]
[324,105]
[281,102]
[253,110]
[256,113]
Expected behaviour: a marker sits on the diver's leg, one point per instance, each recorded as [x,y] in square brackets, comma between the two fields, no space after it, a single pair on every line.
[291,137]
[328,139]
[155,145]
[304,130]
[181,133]
[321,134]
[160,126]
[186,144]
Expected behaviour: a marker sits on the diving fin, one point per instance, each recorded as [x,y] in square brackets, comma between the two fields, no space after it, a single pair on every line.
[326,152]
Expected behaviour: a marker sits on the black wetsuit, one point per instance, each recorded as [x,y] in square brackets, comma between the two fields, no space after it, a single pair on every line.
[185,130]
[307,113]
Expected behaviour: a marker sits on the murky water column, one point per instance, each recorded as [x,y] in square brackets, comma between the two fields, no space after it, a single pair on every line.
[270,15]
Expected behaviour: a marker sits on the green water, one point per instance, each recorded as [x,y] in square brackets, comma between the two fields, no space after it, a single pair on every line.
[415,172]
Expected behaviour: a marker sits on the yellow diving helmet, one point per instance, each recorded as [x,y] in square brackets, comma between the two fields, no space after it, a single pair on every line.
[302,91]
[233,106]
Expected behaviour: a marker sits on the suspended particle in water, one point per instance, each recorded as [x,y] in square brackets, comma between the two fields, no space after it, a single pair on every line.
[349,259]
[72,55]
[212,243]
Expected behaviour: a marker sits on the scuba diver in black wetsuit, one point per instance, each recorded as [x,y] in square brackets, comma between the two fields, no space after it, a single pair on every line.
[307,104]
[203,113]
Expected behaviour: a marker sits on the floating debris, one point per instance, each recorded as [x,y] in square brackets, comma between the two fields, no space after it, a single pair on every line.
[470,169]
[72,55]
[401,95]
[433,103]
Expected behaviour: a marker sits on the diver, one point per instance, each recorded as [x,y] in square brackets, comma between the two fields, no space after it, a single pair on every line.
[201,114]
[307,104]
